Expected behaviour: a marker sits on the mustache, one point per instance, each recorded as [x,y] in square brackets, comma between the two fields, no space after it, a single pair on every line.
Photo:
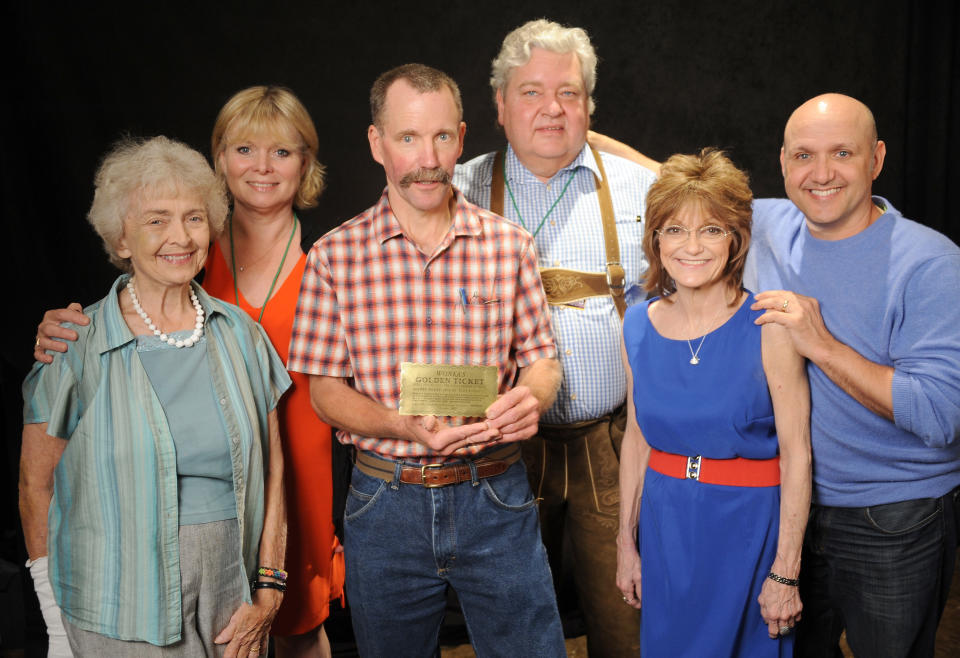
[426,175]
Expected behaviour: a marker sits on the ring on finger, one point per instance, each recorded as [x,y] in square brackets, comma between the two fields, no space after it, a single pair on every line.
[786,303]
[785,630]
[37,344]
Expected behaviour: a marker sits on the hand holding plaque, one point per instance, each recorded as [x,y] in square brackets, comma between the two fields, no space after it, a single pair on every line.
[433,389]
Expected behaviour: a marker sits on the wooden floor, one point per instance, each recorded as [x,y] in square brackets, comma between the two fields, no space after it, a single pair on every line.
[948,635]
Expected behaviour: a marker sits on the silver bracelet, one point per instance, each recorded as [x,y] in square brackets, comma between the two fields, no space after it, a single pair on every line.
[791,582]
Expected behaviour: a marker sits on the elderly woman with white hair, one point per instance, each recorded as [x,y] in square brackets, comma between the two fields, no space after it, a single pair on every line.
[154,443]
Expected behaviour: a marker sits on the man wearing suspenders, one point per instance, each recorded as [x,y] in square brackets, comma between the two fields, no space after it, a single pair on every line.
[585,212]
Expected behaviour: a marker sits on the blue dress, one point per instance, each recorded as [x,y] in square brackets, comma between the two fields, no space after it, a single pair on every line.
[705,549]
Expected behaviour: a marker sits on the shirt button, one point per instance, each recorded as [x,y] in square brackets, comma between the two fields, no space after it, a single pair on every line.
[573,397]
[552,223]
[426,274]
[429,321]
[223,401]
[568,352]
[556,263]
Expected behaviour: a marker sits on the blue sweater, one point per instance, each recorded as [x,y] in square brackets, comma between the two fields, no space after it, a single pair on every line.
[890,293]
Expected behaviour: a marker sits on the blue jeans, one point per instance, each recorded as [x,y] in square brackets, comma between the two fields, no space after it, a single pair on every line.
[883,572]
[404,544]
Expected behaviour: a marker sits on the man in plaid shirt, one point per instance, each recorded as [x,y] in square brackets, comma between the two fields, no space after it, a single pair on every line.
[426,277]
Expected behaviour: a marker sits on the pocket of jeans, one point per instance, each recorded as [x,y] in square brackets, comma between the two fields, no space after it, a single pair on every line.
[509,492]
[363,494]
[903,517]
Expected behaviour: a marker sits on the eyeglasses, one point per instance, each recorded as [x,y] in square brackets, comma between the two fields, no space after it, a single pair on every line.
[677,234]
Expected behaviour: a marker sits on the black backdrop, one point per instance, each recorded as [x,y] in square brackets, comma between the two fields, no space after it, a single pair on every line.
[673,76]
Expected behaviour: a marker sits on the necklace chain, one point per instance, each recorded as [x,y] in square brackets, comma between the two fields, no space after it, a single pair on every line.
[517,208]
[695,355]
[197,328]
[233,266]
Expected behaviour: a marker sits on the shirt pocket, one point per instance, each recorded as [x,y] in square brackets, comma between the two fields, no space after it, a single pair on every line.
[476,331]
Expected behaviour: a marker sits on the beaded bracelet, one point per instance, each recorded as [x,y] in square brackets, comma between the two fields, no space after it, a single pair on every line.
[267,584]
[269,572]
[790,582]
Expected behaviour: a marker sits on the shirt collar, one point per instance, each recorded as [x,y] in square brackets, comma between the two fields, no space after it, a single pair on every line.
[516,172]
[466,221]
[116,333]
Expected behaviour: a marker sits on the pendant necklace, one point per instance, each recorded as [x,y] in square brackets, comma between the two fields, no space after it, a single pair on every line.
[695,355]
[513,201]
[233,266]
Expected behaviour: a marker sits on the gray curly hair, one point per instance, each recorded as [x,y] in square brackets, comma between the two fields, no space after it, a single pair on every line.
[542,33]
[137,168]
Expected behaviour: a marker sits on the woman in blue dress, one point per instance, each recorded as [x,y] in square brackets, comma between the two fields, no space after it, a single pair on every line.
[715,463]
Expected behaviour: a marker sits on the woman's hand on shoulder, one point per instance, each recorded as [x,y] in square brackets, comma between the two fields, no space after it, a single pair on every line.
[247,633]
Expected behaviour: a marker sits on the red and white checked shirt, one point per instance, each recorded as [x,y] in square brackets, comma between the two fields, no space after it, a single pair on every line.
[371,300]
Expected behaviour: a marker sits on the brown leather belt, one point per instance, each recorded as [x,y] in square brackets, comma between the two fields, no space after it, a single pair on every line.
[488,465]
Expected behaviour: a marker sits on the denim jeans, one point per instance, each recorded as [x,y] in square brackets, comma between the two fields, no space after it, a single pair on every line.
[404,544]
[881,572]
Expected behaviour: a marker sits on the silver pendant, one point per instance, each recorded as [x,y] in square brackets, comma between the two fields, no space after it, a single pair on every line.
[694,360]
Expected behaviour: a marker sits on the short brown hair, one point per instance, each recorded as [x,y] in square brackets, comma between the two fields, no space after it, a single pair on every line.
[711,180]
[265,109]
[421,77]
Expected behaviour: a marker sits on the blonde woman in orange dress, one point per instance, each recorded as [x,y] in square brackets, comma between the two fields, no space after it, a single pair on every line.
[264,145]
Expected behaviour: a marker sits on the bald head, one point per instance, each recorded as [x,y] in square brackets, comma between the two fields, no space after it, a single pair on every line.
[833,108]
[830,158]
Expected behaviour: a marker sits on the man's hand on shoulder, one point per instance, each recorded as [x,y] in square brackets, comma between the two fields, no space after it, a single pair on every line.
[51,335]
[802,319]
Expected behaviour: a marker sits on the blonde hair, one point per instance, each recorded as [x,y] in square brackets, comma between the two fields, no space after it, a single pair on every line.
[135,169]
[271,109]
[711,180]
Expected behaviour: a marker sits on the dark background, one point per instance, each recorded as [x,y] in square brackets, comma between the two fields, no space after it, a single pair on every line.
[673,77]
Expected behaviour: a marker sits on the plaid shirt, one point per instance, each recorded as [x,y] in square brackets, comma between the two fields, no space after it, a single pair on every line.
[371,300]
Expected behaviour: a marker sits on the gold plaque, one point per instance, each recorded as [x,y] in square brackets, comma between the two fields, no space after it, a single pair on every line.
[436,389]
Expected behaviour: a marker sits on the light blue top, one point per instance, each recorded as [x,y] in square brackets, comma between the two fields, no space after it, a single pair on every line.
[113,522]
[889,292]
[588,333]
[181,380]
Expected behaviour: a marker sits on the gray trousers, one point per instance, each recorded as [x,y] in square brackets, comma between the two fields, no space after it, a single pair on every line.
[211,590]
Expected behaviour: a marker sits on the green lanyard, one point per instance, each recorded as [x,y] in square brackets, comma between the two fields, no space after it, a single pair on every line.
[233,266]
[517,209]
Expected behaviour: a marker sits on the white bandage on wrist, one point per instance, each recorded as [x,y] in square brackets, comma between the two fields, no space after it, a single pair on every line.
[58,646]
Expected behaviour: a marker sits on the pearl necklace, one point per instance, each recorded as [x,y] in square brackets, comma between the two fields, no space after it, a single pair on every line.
[198,326]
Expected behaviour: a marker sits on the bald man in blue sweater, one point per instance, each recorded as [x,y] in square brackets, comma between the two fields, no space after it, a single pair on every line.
[870,298]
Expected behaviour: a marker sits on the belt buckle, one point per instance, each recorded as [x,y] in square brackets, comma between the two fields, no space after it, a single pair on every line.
[423,475]
[693,468]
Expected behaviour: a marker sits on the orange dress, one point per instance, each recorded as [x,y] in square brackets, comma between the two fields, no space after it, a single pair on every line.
[316,572]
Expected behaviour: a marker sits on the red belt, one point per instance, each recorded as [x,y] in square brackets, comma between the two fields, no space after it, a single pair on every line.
[736,472]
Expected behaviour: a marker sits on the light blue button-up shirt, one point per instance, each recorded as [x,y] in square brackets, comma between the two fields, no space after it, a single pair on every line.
[588,333]
[113,527]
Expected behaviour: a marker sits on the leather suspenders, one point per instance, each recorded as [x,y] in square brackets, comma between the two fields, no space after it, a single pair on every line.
[562,285]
